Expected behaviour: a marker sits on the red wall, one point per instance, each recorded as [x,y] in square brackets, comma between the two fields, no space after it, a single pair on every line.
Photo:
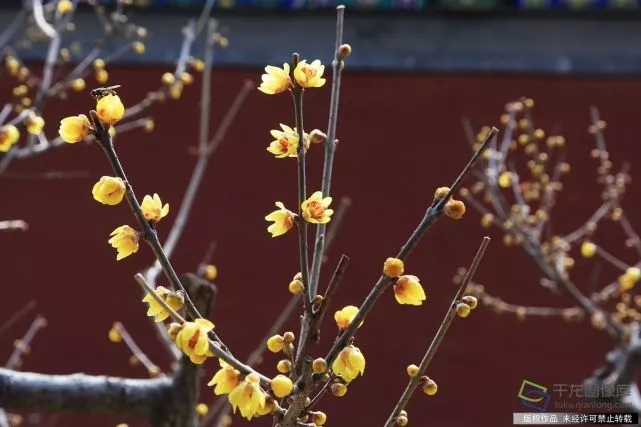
[401,137]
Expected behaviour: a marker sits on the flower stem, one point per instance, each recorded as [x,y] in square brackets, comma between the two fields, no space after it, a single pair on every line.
[432,214]
[438,338]
[330,149]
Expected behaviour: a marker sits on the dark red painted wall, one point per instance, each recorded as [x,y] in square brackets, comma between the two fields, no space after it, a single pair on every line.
[401,137]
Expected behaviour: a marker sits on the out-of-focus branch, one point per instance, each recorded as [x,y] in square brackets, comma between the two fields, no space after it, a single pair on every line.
[16,224]
[23,346]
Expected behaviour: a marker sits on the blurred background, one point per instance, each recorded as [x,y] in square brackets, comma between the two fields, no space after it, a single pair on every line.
[418,68]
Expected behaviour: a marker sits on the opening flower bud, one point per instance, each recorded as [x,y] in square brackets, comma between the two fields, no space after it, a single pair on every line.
[275,343]
[284,366]
[338,389]
[393,267]
[455,209]
[471,301]
[401,420]
[289,337]
[296,287]
[430,388]
[319,365]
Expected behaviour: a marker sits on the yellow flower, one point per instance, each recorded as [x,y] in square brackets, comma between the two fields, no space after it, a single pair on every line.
[9,135]
[65,6]
[588,249]
[628,279]
[226,379]
[109,190]
[110,109]
[408,290]
[153,208]
[275,343]
[345,316]
[309,75]
[315,210]
[34,124]
[192,340]
[283,220]
[202,409]
[275,80]
[175,300]
[282,386]
[248,397]
[505,180]
[125,240]
[286,142]
[74,129]
[349,363]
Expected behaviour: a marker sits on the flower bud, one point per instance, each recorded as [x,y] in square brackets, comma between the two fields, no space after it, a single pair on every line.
[441,192]
[338,389]
[344,50]
[202,409]
[412,370]
[319,365]
[153,371]
[588,249]
[471,301]
[393,267]
[401,420]
[289,337]
[430,388]
[167,79]
[319,418]
[455,209]
[462,309]
[296,287]
[317,137]
[275,343]
[284,366]
[114,334]
[173,330]
[282,386]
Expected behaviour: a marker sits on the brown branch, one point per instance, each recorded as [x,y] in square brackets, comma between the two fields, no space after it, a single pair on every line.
[17,316]
[22,346]
[438,338]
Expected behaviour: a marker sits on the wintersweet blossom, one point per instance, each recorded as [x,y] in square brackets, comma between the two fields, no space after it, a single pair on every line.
[345,316]
[153,208]
[175,300]
[315,210]
[225,379]
[34,123]
[9,135]
[125,240]
[283,220]
[248,396]
[309,75]
[349,363]
[408,290]
[275,80]
[109,190]
[74,129]
[192,340]
[286,141]
[110,109]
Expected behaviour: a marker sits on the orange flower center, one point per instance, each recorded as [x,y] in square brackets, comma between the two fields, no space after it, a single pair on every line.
[283,145]
[194,339]
[309,72]
[316,209]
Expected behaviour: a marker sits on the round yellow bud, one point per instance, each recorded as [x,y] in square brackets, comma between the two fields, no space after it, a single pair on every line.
[430,388]
[319,365]
[401,420]
[211,272]
[455,209]
[462,309]
[149,126]
[20,90]
[138,47]
[338,389]
[197,64]
[202,409]
[393,267]
[505,180]
[289,337]
[284,366]
[282,386]
[167,79]
[176,90]
[470,301]
[319,418]
[486,220]
[296,287]
[588,249]
[64,6]
[102,76]
[114,334]
[78,84]
[186,78]
[275,343]
[99,64]
[441,192]
[344,50]
[412,370]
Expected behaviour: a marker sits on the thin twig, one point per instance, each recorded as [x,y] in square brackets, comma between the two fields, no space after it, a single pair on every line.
[332,287]
[431,216]
[17,316]
[22,345]
[438,338]
[136,351]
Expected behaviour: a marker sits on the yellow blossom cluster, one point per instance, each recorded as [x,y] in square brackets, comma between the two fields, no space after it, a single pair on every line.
[407,288]
[9,135]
